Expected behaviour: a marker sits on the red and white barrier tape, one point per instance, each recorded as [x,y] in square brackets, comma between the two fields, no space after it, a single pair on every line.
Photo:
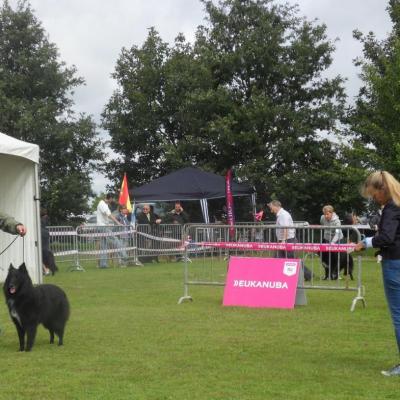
[106,251]
[62,233]
[307,247]
[158,238]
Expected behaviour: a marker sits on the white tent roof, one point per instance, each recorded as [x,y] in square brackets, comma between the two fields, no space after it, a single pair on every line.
[15,147]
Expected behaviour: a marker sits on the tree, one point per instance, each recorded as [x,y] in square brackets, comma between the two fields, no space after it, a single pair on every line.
[375,119]
[36,106]
[249,93]
[132,115]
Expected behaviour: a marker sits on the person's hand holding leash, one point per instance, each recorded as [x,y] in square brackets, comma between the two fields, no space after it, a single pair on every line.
[21,229]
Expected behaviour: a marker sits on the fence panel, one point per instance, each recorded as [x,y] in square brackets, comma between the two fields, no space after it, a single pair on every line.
[112,244]
[63,244]
[325,266]
[159,240]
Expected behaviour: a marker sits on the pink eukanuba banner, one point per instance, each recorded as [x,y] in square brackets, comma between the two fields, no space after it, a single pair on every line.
[261,282]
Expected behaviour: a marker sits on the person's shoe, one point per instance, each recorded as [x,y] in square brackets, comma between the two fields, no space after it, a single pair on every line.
[395,371]
[136,263]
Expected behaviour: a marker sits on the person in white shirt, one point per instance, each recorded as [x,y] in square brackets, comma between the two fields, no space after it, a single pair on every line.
[283,235]
[106,218]
[103,212]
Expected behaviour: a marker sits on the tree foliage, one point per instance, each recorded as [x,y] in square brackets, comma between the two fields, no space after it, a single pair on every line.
[250,92]
[36,106]
[375,119]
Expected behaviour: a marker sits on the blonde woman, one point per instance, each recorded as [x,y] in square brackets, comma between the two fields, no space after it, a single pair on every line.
[331,219]
[384,189]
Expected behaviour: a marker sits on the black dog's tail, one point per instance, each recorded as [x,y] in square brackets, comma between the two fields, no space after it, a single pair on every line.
[49,260]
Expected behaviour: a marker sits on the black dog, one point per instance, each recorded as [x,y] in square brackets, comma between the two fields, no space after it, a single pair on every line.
[335,262]
[49,261]
[30,306]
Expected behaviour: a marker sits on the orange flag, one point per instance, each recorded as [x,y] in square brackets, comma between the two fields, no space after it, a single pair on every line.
[124,199]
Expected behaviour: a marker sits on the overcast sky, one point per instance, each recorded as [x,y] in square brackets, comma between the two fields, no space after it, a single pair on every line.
[91,33]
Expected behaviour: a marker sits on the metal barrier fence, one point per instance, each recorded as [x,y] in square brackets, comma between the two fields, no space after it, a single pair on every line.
[112,244]
[115,245]
[206,249]
[63,244]
[325,266]
[159,240]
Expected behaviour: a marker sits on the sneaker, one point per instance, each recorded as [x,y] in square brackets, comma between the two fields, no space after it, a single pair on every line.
[137,263]
[395,371]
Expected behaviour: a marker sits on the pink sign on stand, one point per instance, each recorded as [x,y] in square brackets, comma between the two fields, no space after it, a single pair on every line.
[261,282]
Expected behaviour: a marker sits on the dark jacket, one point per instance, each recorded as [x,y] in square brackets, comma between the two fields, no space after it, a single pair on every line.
[142,219]
[44,230]
[388,236]
[174,218]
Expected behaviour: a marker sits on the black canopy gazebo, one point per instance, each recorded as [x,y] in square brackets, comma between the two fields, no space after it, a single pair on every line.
[190,184]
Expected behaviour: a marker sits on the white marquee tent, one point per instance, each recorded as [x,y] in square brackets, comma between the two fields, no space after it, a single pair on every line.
[19,188]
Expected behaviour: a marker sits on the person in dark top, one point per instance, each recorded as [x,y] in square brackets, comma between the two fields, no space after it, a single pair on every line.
[147,217]
[147,223]
[384,189]
[49,264]
[178,215]
[349,235]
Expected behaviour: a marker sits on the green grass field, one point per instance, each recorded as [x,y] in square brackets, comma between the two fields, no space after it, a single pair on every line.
[127,338]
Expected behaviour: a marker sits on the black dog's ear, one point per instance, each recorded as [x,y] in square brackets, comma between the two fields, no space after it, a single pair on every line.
[22,268]
[11,267]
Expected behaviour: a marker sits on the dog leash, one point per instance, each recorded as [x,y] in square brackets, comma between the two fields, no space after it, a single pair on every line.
[16,237]
[23,249]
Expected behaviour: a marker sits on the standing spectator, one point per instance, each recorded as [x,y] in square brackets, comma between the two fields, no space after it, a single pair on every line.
[178,215]
[331,219]
[351,219]
[283,235]
[10,225]
[49,265]
[221,217]
[104,219]
[122,216]
[384,189]
[127,238]
[374,220]
[147,216]
[123,219]
[147,220]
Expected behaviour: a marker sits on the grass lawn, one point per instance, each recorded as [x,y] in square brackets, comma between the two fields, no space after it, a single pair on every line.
[127,338]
